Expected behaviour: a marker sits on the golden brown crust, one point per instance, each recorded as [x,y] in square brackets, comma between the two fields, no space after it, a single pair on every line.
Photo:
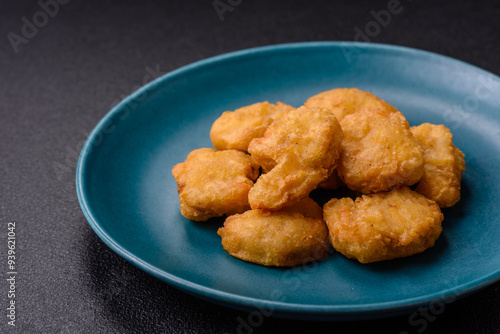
[332,182]
[444,164]
[298,152]
[346,101]
[213,183]
[383,226]
[307,207]
[379,152]
[287,237]
[236,129]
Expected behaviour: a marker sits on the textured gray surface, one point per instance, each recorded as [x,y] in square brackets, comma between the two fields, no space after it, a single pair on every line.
[91,54]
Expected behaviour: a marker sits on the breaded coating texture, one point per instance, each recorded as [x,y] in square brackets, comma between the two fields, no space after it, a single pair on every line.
[444,164]
[379,152]
[306,207]
[332,182]
[298,152]
[383,226]
[289,237]
[346,101]
[214,183]
[236,129]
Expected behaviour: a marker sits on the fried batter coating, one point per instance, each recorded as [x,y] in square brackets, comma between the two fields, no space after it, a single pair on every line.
[214,183]
[346,101]
[379,152]
[383,226]
[306,207]
[236,129]
[289,237]
[332,182]
[444,164]
[298,152]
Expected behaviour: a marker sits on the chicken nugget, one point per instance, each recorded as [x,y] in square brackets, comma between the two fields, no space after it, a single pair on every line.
[383,226]
[236,129]
[379,152]
[289,237]
[346,101]
[214,183]
[307,207]
[298,152]
[444,164]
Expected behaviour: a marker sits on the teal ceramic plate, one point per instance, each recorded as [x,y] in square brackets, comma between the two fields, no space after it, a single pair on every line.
[129,196]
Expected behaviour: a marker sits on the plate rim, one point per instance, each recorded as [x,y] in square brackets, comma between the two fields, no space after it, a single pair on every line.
[329,312]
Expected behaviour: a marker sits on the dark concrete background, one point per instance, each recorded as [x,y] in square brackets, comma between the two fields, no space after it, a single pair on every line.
[56,82]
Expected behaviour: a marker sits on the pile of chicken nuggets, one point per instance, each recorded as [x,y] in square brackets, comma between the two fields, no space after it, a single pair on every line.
[268,158]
